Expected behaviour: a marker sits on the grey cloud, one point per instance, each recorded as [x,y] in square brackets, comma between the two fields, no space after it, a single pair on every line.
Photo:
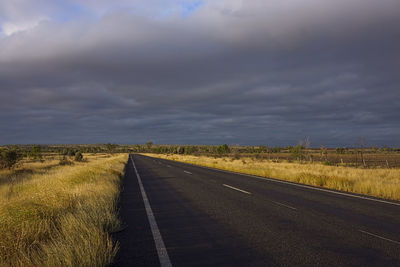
[245,72]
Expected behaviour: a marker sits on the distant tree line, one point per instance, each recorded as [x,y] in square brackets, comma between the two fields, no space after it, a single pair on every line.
[10,155]
[35,151]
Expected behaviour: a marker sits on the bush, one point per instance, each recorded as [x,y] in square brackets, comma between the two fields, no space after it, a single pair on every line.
[8,158]
[236,156]
[35,153]
[297,152]
[327,163]
[180,150]
[71,153]
[224,149]
[65,161]
[78,156]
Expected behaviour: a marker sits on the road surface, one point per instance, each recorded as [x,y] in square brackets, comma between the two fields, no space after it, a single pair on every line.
[183,215]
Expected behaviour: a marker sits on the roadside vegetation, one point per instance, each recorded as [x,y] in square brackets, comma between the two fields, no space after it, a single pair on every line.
[361,155]
[377,182]
[58,209]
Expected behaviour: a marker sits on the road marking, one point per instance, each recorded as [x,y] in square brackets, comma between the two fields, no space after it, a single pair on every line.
[381,237]
[284,205]
[187,172]
[160,246]
[237,189]
[295,184]
[169,166]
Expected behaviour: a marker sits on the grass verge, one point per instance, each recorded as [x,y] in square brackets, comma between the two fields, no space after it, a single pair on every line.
[382,183]
[53,215]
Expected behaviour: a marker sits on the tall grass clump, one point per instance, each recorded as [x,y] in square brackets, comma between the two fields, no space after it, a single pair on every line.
[60,215]
[377,182]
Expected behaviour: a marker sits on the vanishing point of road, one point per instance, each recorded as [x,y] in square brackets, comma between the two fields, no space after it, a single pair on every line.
[178,214]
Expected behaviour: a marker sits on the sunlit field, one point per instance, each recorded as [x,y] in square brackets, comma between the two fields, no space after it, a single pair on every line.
[54,214]
[377,182]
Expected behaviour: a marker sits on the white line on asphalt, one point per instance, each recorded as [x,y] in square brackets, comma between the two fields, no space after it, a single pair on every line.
[295,184]
[160,246]
[237,189]
[187,172]
[169,166]
[284,205]
[381,237]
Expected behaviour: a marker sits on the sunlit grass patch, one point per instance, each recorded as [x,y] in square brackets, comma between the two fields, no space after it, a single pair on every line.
[61,215]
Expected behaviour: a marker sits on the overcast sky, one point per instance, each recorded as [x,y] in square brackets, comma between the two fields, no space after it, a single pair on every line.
[200,72]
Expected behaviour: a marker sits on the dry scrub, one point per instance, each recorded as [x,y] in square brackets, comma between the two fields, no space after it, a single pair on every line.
[52,215]
[383,183]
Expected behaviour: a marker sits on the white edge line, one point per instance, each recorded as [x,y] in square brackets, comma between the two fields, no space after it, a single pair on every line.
[295,184]
[187,172]
[381,237]
[237,189]
[160,246]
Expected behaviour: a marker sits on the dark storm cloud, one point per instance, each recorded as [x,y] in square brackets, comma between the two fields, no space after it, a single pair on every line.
[248,72]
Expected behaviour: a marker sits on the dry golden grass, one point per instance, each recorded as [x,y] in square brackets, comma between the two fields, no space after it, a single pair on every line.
[382,183]
[53,215]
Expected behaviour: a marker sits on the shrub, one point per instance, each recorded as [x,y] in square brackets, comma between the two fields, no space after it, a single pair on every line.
[78,156]
[236,155]
[180,150]
[297,152]
[35,152]
[65,161]
[9,158]
[68,152]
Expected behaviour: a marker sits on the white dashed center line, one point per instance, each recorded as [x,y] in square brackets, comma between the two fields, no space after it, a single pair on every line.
[284,205]
[380,237]
[237,189]
[187,172]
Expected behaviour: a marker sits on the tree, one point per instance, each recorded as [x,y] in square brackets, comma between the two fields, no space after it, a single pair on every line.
[362,146]
[307,145]
[138,148]
[149,144]
[324,153]
[341,150]
[111,147]
[36,152]
[297,152]
[223,149]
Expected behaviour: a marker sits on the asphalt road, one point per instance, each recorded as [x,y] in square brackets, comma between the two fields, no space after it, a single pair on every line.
[207,217]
